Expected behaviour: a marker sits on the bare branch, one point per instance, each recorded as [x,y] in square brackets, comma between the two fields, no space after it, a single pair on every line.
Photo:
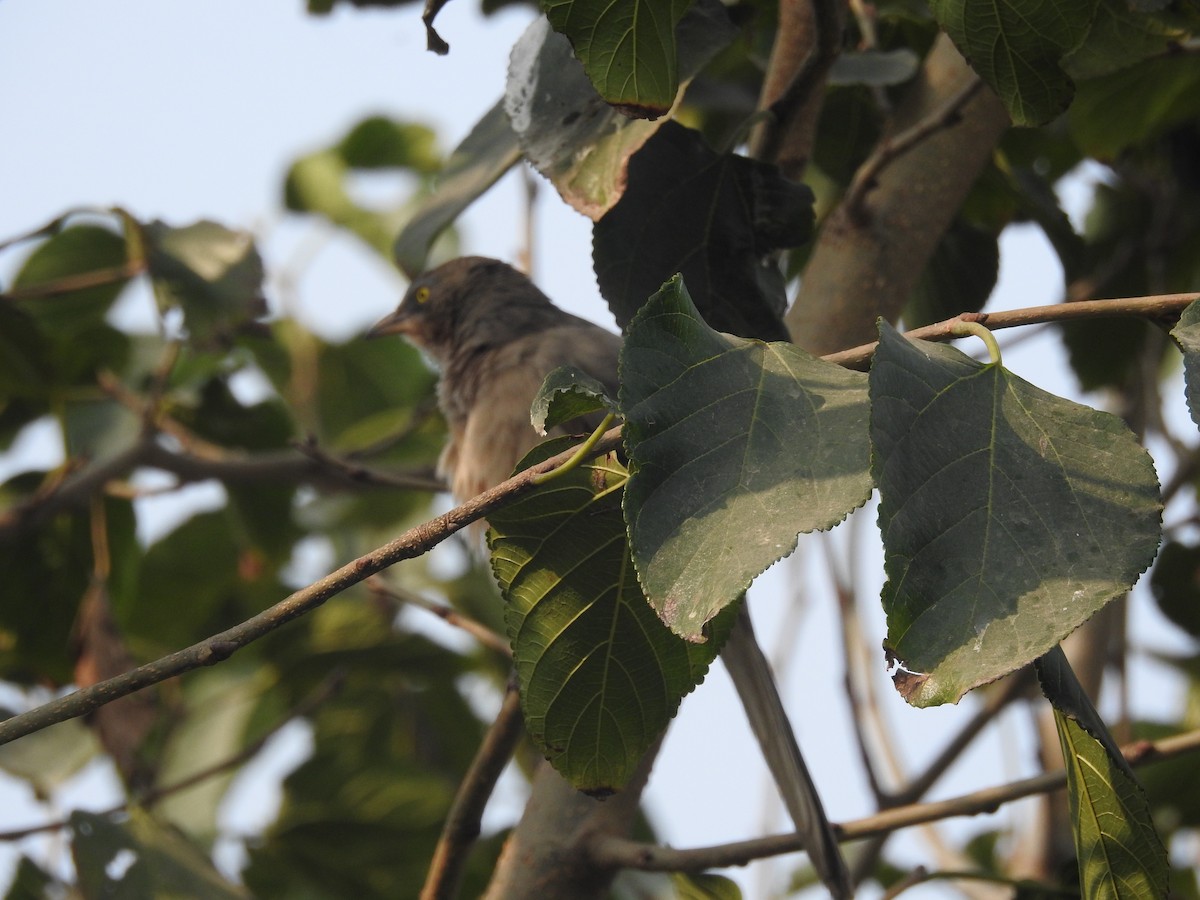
[461,827]
[624,853]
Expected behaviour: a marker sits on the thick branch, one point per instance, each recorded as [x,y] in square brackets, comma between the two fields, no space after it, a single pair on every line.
[873,248]
[623,853]
[412,543]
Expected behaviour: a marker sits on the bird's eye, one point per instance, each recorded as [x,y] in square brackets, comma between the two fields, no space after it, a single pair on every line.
[422,295]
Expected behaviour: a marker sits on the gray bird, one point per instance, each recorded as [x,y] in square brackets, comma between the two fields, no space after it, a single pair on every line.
[494,337]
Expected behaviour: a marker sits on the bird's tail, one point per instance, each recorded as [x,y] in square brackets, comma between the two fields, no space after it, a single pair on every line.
[751,674]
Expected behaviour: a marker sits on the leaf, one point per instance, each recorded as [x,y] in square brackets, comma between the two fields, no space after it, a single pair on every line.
[1187,335]
[141,858]
[600,675]
[627,48]
[715,219]
[1175,584]
[568,393]
[567,131]
[1120,854]
[476,164]
[875,68]
[735,448]
[211,273]
[1009,516]
[958,278]
[48,758]
[1018,47]
[378,142]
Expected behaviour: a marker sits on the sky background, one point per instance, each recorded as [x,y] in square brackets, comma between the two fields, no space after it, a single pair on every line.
[181,110]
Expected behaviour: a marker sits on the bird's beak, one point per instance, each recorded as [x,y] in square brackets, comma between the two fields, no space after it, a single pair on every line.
[399,322]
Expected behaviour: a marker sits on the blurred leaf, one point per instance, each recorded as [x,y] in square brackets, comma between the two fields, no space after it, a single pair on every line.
[79,250]
[100,429]
[475,165]
[846,132]
[211,273]
[735,447]
[1009,516]
[32,883]
[1135,105]
[141,858]
[627,48]
[46,759]
[704,886]
[568,393]
[715,219]
[565,128]
[216,706]
[1018,48]
[1120,854]
[378,142]
[1175,583]
[25,365]
[958,278]
[874,68]
[600,675]
[1171,785]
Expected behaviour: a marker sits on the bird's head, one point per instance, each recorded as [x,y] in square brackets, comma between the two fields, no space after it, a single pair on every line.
[468,302]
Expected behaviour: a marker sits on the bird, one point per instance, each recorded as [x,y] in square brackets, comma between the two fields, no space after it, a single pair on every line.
[493,336]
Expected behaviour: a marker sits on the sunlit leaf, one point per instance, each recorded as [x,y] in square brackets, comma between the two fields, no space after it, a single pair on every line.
[736,447]
[1009,516]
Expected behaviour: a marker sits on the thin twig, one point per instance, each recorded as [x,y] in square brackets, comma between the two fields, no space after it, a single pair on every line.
[413,543]
[616,852]
[1162,306]
[65,284]
[462,825]
[447,614]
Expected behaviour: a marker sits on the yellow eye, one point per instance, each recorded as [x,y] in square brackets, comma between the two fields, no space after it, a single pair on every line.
[422,295]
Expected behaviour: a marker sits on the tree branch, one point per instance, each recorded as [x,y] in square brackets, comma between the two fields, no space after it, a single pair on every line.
[414,542]
[623,853]
[462,825]
[1163,307]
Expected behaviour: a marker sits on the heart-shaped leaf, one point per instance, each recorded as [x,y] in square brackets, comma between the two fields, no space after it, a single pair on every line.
[1009,515]
[736,447]
[600,675]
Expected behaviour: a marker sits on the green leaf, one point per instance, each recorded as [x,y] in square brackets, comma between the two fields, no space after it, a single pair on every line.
[566,394]
[1009,516]
[875,68]
[958,278]
[1120,854]
[1175,583]
[213,274]
[46,759]
[142,858]
[77,251]
[704,886]
[627,48]
[715,219]
[476,164]
[378,142]
[1187,335]
[565,128]
[735,448]
[600,675]
[1018,47]
[32,883]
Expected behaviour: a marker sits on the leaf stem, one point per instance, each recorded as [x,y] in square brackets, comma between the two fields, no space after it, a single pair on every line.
[963,328]
[582,453]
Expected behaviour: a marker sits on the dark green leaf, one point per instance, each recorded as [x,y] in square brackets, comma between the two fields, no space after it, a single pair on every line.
[1175,583]
[1120,35]
[214,275]
[142,858]
[627,48]
[1066,694]
[79,251]
[32,883]
[600,675]
[378,142]
[715,219]
[1018,47]
[736,447]
[475,165]
[565,128]
[1009,516]
[568,393]
[1120,854]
